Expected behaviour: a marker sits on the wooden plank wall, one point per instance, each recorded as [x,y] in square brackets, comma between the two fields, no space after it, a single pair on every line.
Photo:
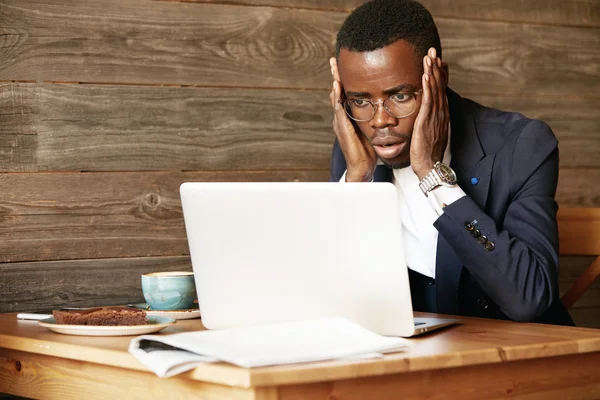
[106,106]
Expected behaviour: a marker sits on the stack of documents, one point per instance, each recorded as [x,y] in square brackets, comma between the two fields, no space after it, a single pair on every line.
[286,343]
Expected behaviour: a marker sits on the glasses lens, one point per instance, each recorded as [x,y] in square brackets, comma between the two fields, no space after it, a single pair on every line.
[359,109]
[400,104]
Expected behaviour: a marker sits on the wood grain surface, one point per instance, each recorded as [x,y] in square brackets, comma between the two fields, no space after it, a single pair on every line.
[525,380]
[45,377]
[125,41]
[579,231]
[107,128]
[550,12]
[79,283]
[55,378]
[100,215]
[577,187]
[137,41]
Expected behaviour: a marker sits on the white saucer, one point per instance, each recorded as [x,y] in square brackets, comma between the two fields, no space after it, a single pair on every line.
[156,324]
[189,313]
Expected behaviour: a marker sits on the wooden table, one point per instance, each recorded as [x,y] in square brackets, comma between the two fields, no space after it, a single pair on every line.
[478,359]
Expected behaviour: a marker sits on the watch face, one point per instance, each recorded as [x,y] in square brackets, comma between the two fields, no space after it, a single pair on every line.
[447,174]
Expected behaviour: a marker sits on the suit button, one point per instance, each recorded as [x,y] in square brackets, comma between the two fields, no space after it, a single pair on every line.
[482,239]
[483,303]
[469,226]
[489,246]
[475,233]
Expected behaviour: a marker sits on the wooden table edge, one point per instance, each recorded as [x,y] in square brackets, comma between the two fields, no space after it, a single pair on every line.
[402,362]
[230,375]
[399,363]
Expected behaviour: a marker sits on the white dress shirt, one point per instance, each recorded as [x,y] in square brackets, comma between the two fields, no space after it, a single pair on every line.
[418,213]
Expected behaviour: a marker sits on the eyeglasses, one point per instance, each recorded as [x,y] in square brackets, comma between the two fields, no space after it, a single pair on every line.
[399,105]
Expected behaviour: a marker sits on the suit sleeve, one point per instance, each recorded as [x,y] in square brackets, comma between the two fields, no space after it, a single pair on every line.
[519,269]
[338,163]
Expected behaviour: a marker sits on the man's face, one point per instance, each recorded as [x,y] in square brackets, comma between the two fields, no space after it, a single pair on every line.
[375,76]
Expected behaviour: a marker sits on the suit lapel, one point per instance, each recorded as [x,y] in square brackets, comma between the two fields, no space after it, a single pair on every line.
[473,168]
[464,142]
[476,180]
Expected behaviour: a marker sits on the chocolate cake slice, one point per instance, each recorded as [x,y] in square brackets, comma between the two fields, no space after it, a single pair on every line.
[107,316]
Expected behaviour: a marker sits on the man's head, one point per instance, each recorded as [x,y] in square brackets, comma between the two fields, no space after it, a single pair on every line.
[379,23]
[379,50]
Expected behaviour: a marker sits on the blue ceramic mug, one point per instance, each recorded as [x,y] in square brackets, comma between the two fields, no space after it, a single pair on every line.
[169,290]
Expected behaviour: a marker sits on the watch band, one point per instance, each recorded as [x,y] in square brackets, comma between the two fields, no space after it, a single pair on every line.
[430,182]
[441,174]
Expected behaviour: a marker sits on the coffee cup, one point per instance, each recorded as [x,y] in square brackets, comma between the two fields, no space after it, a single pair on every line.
[173,290]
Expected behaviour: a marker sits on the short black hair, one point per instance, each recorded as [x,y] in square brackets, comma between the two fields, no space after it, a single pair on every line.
[379,23]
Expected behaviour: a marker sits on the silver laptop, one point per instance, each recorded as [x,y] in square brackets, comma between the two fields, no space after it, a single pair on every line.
[266,253]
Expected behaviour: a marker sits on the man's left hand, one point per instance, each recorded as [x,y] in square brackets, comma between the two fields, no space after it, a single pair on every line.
[430,133]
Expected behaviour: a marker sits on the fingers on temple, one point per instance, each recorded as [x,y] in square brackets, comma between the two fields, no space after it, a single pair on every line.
[334,69]
[426,101]
[337,92]
[332,97]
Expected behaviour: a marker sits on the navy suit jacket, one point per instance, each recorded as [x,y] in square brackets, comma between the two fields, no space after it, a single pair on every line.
[515,162]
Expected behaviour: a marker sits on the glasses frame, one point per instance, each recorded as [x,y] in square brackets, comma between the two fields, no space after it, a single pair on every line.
[376,105]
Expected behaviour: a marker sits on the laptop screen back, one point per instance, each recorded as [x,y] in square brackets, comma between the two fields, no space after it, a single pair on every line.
[274,252]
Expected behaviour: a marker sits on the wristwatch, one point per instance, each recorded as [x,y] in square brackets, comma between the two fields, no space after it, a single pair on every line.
[440,175]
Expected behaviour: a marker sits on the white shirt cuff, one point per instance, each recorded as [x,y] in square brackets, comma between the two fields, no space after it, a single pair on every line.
[442,196]
[343,178]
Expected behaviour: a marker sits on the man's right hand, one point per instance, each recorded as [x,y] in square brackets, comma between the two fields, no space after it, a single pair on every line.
[361,159]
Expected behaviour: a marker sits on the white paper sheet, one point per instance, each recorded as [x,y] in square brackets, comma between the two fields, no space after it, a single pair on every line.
[286,343]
